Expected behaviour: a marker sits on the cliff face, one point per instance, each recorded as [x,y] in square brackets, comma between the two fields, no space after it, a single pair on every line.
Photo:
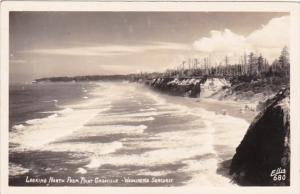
[178,87]
[263,156]
[212,86]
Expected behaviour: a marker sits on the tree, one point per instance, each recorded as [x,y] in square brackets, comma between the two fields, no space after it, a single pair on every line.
[251,62]
[284,58]
[260,63]
[284,61]
[226,60]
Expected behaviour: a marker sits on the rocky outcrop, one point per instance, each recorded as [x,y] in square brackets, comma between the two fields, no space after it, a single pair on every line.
[177,87]
[263,156]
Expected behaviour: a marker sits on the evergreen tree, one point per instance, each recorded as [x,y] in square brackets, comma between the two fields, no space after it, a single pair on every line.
[260,63]
[284,62]
[284,58]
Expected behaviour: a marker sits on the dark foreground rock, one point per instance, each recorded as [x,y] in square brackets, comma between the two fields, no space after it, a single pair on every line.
[178,87]
[263,156]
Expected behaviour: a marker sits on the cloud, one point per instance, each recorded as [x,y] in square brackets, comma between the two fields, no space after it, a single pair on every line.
[110,50]
[268,40]
[273,35]
[225,41]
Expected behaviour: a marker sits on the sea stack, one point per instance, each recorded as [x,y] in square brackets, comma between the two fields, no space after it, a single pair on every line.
[263,156]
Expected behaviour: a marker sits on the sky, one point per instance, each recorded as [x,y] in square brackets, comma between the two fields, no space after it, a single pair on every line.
[45,44]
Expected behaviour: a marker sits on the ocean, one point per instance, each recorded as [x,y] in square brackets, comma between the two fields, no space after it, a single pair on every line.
[115,134]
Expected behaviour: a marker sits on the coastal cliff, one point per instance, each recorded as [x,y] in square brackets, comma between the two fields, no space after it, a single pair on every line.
[263,156]
[189,87]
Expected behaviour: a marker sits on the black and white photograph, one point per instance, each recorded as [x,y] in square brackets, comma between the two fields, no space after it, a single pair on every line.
[149,99]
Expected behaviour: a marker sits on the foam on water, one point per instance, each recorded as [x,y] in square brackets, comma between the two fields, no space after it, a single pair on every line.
[65,111]
[142,114]
[204,173]
[84,90]
[180,146]
[148,109]
[158,100]
[53,116]
[151,158]
[18,127]
[43,131]
[106,120]
[138,114]
[46,130]
[59,112]
[33,121]
[99,116]
[152,173]
[97,103]
[16,169]
[55,101]
[111,129]
[81,171]
[91,149]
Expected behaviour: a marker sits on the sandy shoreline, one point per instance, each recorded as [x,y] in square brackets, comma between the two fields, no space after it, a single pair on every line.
[235,109]
[231,108]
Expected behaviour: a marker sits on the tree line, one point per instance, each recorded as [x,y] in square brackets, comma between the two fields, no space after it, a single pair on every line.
[249,65]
